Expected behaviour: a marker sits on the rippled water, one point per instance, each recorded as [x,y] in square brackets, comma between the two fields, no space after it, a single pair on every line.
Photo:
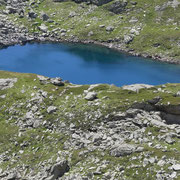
[86,64]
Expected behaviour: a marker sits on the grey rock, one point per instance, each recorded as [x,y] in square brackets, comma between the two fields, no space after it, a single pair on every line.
[176,167]
[43,28]
[161,162]
[127,39]
[51,109]
[29,115]
[109,28]
[177,94]
[57,81]
[59,169]
[11,10]
[44,16]
[91,96]
[118,7]
[133,20]
[169,140]
[96,2]
[123,150]
[137,87]
[173,175]
[90,33]
[43,79]
[32,14]
[12,176]
[7,83]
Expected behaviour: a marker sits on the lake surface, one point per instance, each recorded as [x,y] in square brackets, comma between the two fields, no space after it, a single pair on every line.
[86,64]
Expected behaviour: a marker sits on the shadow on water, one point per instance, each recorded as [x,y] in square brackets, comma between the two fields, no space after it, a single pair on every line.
[83,64]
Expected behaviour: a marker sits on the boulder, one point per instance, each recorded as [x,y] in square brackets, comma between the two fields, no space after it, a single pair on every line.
[118,7]
[43,28]
[44,16]
[32,14]
[90,96]
[11,10]
[12,176]
[123,150]
[59,169]
[57,81]
[43,79]
[128,39]
[176,167]
[100,2]
[169,140]
[51,109]
[96,2]
[177,94]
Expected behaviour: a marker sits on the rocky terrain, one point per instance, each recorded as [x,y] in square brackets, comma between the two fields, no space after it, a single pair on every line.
[146,28]
[52,129]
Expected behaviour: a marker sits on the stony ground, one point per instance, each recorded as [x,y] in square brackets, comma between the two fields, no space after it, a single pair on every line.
[52,129]
[147,28]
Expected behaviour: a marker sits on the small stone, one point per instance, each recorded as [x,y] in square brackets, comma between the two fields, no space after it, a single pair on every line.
[110,28]
[44,16]
[51,109]
[43,28]
[169,140]
[161,163]
[177,94]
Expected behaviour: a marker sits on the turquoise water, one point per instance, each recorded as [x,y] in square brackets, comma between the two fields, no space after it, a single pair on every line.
[86,64]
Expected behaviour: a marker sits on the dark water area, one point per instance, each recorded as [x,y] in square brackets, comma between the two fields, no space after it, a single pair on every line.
[86,64]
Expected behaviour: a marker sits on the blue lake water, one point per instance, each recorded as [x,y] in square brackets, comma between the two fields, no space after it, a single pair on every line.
[86,64]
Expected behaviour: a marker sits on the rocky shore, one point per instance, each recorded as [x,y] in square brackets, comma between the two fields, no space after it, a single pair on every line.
[12,33]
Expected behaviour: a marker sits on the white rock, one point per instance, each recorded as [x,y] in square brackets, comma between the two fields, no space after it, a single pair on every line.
[91,96]
[51,109]
[137,87]
[176,167]
[43,28]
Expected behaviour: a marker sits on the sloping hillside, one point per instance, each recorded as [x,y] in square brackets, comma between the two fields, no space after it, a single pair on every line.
[51,129]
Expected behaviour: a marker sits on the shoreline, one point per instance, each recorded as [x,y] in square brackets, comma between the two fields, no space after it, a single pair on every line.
[112,46]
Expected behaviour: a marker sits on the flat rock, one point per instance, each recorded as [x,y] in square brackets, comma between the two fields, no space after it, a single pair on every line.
[137,87]
[91,96]
[51,109]
[176,167]
[7,83]
[57,81]
[123,150]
